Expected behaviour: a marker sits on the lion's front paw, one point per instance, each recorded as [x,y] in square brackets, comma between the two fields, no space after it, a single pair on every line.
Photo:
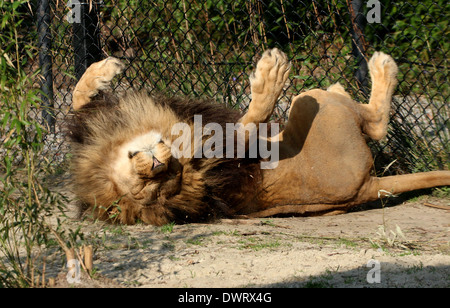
[383,68]
[266,82]
[271,73]
[97,77]
[104,71]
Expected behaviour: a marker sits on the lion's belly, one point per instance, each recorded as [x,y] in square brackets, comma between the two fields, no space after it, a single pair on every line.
[328,166]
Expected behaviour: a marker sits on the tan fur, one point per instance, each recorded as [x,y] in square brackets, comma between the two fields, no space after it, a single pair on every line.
[97,77]
[324,162]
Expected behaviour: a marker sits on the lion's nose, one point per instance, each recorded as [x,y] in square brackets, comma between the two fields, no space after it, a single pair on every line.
[156,163]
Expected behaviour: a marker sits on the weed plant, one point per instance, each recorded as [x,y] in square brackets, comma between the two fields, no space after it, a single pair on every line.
[26,203]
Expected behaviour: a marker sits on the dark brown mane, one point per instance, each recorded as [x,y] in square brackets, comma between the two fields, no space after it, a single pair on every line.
[76,128]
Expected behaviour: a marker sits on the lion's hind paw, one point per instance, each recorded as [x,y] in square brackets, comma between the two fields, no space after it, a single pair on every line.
[382,67]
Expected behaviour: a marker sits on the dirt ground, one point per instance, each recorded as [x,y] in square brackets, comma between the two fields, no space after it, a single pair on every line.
[409,244]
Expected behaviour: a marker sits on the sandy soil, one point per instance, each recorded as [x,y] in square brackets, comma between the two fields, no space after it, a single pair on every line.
[409,242]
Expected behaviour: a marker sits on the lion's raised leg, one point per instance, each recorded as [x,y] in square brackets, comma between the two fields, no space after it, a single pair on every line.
[97,77]
[267,82]
[383,72]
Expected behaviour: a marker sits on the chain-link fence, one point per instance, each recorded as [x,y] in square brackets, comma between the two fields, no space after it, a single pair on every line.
[209,48]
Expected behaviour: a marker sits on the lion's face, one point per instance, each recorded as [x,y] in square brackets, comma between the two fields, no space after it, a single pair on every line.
[144,167]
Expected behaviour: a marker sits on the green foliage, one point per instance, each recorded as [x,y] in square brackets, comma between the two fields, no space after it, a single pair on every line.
[182,41]
[25,202]
[168,228]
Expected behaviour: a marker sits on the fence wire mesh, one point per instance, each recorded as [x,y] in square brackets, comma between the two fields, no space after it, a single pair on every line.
[209,48]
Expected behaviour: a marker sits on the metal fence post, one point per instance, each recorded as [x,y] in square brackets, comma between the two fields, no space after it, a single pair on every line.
[359,45]
[45,62]
[86,41]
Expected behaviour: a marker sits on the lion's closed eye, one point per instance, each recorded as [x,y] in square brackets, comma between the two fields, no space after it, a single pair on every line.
[132,154]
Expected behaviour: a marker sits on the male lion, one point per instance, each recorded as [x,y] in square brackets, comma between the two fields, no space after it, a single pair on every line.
[124,169]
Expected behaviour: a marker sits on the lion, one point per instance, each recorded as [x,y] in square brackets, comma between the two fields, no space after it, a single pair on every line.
[125,169]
